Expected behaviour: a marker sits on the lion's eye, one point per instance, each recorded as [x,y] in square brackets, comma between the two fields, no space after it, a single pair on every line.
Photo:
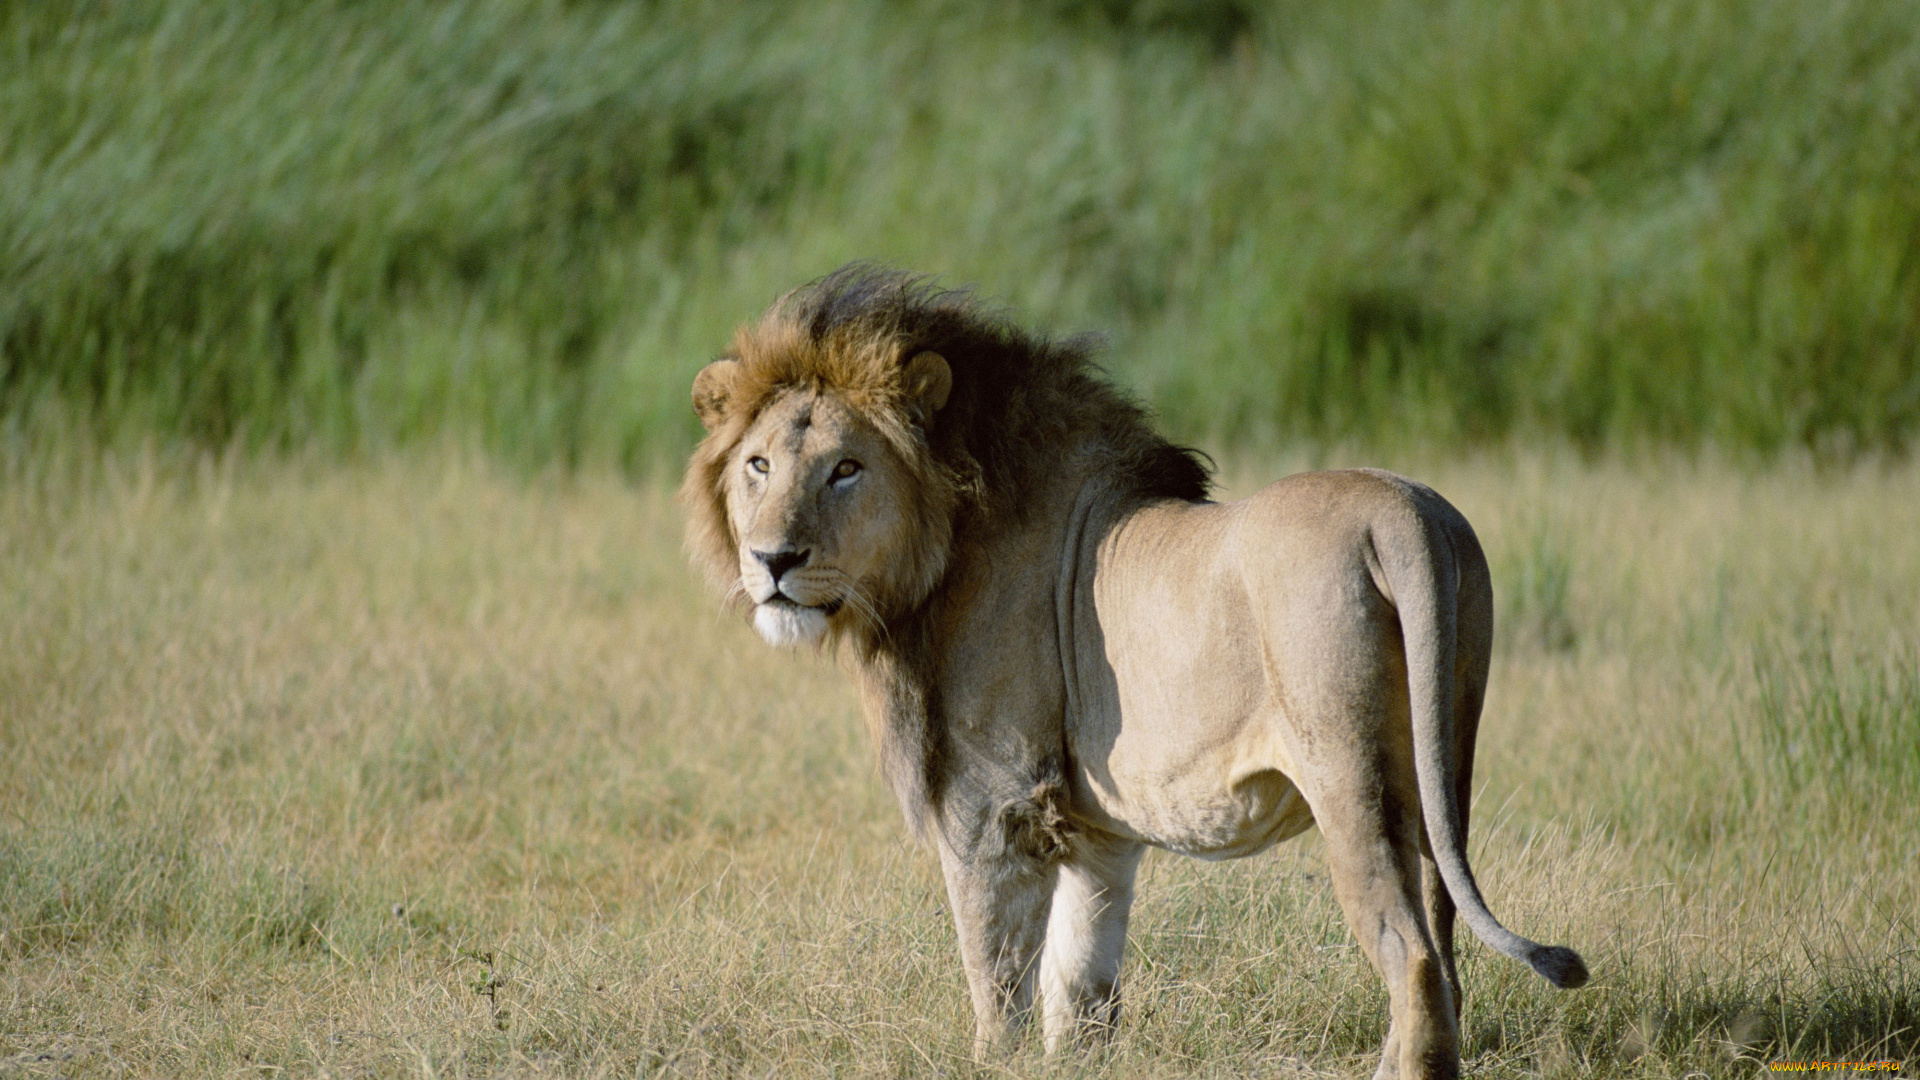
[758,464]
[846,469]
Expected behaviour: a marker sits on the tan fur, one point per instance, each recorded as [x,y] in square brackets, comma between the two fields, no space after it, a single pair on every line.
[1066,654]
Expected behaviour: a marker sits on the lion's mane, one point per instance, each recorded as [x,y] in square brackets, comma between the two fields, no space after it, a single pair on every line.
[1019,402]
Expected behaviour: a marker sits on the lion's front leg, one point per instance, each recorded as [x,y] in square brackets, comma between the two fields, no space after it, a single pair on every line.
[1001,862]
[1086,940]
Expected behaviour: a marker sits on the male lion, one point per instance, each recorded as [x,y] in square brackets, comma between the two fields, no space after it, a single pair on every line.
[1066,653]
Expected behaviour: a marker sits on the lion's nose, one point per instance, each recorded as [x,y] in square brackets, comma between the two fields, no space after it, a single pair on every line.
[779,562]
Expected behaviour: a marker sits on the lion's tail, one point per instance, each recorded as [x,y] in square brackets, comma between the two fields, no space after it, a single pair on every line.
[1426,590]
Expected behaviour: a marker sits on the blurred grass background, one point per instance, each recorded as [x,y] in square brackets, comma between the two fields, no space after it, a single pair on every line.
[521,225]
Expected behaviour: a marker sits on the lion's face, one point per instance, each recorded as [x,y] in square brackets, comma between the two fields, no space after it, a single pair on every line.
[814,495]
[820,507]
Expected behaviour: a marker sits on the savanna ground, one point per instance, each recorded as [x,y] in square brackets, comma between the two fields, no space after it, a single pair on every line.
[425,768]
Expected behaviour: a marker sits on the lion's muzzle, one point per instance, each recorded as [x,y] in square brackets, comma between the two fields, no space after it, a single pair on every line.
[783,623]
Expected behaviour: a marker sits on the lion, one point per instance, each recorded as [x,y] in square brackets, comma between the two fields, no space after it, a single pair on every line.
[1067,653]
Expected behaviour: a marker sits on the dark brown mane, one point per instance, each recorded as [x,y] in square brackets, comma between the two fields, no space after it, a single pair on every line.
[1021,405]
[1019,399]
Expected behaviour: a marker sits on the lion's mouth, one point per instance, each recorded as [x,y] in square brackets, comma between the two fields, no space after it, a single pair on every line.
[782,600]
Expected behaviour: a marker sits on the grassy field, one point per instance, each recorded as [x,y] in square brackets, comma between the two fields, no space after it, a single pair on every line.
[525,223]
[358,714]
[420,768]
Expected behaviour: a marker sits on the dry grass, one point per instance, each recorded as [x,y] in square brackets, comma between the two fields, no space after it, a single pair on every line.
[289,751]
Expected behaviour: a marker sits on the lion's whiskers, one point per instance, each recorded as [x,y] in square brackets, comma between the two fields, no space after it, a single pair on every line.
[862,605]
[867,610]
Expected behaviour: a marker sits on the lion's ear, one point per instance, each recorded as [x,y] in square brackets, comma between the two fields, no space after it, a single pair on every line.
[929,380]
[711,388]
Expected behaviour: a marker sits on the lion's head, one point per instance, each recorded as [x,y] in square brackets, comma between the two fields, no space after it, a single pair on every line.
[816,496]
[870,424]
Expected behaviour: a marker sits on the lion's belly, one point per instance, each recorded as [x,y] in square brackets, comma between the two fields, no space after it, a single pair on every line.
[1213,800]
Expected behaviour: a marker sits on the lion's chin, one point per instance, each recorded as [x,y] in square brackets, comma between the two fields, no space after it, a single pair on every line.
[785,625]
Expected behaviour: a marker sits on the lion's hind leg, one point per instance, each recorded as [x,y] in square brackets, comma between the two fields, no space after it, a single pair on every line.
[1370,818]
[1440,922]
[1086,940]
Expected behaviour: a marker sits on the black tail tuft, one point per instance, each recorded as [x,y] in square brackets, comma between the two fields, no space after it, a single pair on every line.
[1559,965]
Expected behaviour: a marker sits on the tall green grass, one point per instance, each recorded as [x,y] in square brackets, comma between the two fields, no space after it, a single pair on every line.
[523,223]
[1835,725]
